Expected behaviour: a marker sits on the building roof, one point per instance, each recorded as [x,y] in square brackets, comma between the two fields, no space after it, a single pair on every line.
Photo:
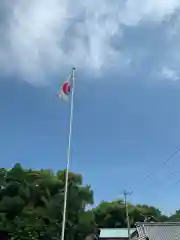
[115,232]
[160,231]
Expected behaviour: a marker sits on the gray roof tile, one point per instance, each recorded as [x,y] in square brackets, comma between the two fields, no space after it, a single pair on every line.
[159,231]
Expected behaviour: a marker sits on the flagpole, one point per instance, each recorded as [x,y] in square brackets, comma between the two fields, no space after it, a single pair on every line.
[68,157]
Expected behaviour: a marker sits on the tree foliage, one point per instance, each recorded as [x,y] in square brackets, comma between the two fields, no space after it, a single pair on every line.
[112,214]
[31,206]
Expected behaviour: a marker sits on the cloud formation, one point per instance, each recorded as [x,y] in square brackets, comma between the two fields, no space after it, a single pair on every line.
[40,37]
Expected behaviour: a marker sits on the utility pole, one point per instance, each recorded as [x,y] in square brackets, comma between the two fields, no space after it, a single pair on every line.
[127,212]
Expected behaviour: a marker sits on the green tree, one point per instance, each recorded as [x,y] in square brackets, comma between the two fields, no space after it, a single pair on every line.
[110,214]
[175,217]
[31,204]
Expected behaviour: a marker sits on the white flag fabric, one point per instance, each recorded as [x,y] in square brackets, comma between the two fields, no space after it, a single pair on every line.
[66,87]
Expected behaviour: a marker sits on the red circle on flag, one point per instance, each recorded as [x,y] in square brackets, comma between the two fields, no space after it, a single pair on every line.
[66,88]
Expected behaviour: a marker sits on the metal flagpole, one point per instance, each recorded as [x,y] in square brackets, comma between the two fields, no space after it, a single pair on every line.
[68,157]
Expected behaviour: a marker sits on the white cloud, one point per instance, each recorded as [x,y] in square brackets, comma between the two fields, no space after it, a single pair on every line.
[154,10]
[169,73]
[42,36]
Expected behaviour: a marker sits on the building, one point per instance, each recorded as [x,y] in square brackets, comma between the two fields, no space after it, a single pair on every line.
[156,231]
[115,233]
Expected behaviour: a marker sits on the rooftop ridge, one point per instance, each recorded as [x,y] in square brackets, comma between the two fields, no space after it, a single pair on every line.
[116,228]
[157,224]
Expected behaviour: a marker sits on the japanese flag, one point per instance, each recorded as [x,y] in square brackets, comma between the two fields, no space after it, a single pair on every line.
[66,87]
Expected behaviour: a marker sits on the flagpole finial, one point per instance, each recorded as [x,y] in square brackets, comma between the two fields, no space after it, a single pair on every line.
[73,68]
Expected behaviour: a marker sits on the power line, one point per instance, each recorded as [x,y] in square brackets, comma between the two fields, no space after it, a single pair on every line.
[176,183]
[171,186]
[165,162]
[162,164]
[171,176]
[158,184]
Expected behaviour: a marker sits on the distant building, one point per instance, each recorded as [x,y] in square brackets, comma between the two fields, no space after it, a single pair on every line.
[156,231]
[115,233]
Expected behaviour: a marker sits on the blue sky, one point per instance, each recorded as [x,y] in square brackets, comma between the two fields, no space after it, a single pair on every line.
[126,113]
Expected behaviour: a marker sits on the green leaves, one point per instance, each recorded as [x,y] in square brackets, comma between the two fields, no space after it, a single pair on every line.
[31,204]
[112,214]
